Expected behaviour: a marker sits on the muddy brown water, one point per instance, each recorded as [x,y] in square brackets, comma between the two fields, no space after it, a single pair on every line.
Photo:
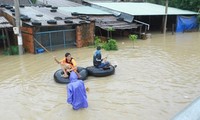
[153,81]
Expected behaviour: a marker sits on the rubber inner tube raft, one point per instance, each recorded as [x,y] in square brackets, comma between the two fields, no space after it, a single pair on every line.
[59,79]
[100,72]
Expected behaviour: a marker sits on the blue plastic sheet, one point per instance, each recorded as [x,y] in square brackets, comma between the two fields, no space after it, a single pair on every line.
[186,23]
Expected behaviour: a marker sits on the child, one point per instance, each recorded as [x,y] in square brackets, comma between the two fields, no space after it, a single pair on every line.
[76,92]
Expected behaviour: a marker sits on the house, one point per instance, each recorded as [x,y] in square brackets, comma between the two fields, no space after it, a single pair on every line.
[151,16]
[53,27]
[67,24]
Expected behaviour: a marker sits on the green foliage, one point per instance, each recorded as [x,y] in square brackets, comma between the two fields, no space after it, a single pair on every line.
[97,41]
[110,29]
[193,5]
[14,50]
[110,45]
[133,38]
[34,1]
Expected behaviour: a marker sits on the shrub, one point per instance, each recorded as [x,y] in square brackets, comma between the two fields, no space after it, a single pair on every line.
[110,45]
[97,41]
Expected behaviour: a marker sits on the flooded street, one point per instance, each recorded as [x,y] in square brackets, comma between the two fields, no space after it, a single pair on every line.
[153,81]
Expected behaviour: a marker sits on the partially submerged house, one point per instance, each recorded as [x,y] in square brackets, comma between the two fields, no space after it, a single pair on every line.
[53,28]
[60,27]
[151,16]
[68,23]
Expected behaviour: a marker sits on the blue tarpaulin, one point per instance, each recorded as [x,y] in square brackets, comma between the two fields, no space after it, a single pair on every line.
[186,23]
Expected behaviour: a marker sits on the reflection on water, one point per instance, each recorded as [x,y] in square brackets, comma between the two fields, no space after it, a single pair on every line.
[153,81]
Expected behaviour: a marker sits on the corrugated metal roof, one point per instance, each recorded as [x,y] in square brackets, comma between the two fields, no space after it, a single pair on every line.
[11,2]
[4,23]
[59,3]
[43,14]
[62,12]
[33,13]
[140,9]
[84,10]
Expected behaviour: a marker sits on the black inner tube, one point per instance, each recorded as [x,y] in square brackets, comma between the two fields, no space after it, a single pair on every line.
[59,79]
[100,72]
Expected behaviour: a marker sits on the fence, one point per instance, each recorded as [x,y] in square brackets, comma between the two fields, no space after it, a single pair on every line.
[55,39]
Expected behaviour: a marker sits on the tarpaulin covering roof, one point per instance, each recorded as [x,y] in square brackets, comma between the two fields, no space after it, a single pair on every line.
[141,9]
[4,23]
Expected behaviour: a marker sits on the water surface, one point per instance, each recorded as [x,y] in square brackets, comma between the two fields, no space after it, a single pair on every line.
[153,81]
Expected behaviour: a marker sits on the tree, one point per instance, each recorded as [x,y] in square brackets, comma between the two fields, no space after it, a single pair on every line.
[192,5]
[133,38]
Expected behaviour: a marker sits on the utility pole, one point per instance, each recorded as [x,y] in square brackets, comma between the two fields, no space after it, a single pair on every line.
[165,22]
[17,21]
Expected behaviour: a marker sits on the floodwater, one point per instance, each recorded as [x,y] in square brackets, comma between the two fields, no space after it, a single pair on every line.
[153,81]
